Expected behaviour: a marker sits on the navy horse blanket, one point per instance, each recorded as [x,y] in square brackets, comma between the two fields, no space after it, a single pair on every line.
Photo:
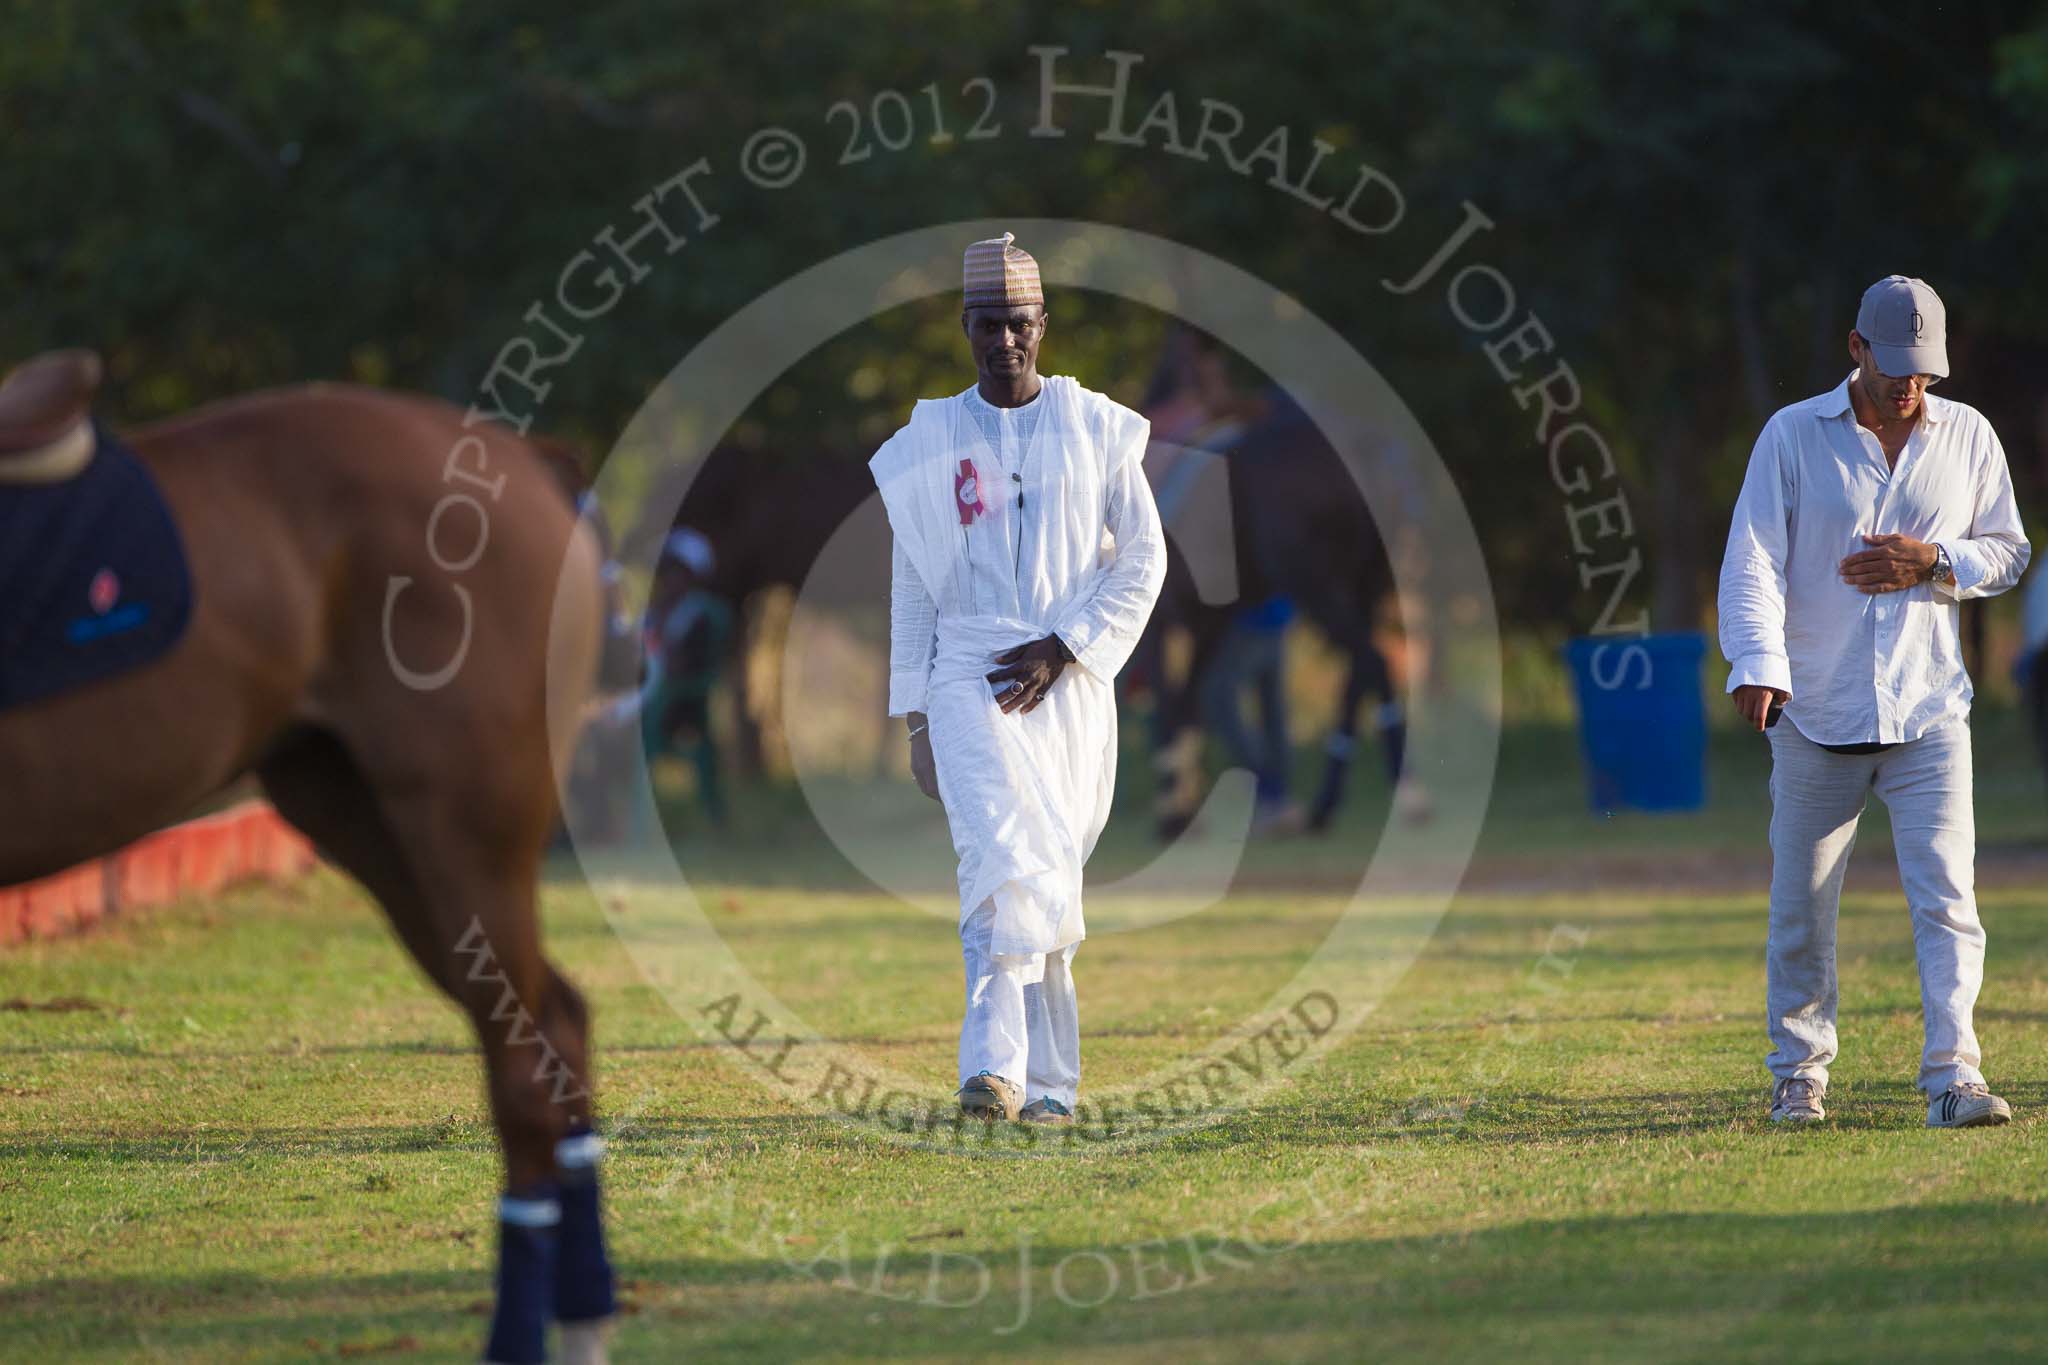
[93,577]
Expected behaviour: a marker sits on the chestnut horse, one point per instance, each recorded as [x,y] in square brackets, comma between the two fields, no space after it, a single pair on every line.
[374,615]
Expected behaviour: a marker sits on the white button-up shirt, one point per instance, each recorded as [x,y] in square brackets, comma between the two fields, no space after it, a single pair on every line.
[1863,667]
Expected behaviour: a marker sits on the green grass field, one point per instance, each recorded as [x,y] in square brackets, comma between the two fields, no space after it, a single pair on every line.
[243,1131]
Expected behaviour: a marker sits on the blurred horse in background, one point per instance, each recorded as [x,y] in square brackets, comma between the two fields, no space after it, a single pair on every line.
[374,621]
[767,515]
[1284,513]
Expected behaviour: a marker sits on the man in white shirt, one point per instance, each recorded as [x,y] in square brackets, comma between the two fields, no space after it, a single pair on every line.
[1028,555]
[1866,515]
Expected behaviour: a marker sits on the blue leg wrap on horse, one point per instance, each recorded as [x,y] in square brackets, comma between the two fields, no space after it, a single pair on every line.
[529,1227]
[583,1274]
[1394,744]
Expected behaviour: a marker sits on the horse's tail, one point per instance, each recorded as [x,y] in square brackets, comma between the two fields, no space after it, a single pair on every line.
[618,665]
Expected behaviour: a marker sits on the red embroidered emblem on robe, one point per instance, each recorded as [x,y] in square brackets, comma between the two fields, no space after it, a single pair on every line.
[967,493]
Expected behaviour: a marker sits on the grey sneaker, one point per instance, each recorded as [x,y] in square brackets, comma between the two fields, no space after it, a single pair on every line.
[1967,1104]
[1047,1110]
[989,1097]
[1797,1101]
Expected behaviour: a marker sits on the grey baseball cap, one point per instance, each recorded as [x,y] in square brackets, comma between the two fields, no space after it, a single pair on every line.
[1906,327]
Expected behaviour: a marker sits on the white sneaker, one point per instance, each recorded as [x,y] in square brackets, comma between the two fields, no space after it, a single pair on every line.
[1967,1104]
[1797,1101]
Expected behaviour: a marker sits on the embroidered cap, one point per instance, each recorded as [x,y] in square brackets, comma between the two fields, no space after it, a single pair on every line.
[1906,327]
[998,275]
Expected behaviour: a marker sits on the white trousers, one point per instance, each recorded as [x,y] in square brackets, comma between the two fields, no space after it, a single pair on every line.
[1816,798]
[1023,1022]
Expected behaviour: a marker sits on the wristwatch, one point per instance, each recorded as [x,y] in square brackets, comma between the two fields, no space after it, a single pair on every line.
[1944,572]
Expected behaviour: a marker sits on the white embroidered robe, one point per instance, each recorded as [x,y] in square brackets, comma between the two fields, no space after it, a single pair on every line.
[1026,796]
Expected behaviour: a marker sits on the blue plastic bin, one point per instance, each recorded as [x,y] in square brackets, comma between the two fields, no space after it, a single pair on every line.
[1642,722]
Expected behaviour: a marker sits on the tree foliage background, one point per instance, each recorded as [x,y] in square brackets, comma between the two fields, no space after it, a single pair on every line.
[224,194]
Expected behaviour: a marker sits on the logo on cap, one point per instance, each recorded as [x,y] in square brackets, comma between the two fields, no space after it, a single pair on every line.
[1919,325]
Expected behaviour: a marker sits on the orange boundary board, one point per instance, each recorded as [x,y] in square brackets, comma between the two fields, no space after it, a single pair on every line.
[248,842]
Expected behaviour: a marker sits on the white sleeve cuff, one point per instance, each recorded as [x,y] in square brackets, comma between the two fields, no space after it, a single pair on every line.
[907,692]
[1968,570]
[1761,670]
[1075,642]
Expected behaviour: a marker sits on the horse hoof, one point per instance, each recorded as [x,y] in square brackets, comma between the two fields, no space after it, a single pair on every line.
[583,1342]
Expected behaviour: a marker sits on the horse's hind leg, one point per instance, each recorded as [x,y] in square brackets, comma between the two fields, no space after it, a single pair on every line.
[310,778]
[585,1300]
[458,885]
[1368,675]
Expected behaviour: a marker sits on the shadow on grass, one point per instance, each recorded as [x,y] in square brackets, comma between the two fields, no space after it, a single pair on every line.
[193,1146]
[1516,1117]
[1445,1115]
[1854,1285]
[1488,913]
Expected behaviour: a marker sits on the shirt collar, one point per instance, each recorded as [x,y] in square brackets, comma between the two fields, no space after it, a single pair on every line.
[974,399]
[1835,403]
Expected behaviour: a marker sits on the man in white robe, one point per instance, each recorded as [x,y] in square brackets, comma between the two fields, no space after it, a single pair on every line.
[1028,555]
